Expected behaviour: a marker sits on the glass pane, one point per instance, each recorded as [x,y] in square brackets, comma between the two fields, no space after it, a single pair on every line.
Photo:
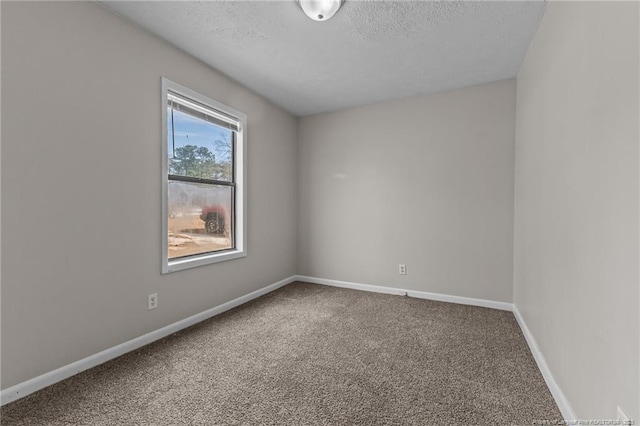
[198,148]
[199,219]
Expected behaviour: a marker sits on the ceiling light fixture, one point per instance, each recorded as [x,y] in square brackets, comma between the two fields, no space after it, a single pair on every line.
[320,10]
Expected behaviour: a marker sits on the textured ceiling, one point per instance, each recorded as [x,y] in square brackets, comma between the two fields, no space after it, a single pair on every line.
[369,51]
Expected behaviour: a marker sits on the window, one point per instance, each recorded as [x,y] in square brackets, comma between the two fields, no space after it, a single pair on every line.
[203,177]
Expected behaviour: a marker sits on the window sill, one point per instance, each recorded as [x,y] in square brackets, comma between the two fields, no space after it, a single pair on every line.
[207,259]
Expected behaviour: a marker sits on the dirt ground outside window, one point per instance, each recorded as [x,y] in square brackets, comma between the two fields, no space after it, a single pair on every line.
[188,236]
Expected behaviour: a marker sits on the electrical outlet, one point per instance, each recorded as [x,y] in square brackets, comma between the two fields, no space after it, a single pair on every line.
[152,301]
[402,269]
[623,418]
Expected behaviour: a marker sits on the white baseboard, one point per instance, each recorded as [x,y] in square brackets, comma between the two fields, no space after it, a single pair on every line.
[32,385]
[504,306]
[353,286]
[561,400]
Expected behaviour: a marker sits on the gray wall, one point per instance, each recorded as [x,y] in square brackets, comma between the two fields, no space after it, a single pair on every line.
[81,187]
[576,216]
[426,181]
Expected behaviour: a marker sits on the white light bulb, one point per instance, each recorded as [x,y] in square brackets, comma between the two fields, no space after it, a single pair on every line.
[320,10]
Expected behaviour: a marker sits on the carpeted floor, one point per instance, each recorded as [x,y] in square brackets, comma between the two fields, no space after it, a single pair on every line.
[308,355]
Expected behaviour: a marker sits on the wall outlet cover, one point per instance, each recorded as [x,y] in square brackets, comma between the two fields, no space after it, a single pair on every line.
[622,417]
[152,301]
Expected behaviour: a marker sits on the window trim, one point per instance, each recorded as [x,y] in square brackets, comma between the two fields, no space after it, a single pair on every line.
[239,223]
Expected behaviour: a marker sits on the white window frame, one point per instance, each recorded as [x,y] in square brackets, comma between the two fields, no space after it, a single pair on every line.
[240,177]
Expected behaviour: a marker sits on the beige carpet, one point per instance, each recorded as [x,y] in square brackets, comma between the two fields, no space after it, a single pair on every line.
[313,355]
